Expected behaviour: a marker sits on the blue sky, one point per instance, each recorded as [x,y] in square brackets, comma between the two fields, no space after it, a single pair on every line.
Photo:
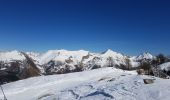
[127,26]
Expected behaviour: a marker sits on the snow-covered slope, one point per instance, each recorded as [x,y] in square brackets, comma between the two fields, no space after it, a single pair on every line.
[165,66]
[99,84]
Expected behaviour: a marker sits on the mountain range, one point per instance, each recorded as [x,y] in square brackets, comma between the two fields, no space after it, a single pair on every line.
[28,64]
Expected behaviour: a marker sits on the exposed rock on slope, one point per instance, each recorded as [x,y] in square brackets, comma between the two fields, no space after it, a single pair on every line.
[30,69]
[16,65]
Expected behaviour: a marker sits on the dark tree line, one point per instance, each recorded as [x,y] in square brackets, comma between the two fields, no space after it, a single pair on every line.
[160,59]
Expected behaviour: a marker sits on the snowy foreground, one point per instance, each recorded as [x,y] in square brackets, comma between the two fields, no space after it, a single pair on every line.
[98,84]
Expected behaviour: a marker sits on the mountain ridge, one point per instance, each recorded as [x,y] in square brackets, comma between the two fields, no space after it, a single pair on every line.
[65,61]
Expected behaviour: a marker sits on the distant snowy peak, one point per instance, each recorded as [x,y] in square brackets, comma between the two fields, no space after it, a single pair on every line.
[110,53]
[11,55]
[146,56]
[35,56]
[62,55]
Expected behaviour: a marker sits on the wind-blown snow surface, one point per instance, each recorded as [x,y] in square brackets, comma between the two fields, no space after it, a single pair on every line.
[99,84]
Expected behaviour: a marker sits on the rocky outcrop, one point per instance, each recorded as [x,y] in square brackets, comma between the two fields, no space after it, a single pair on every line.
[30,69]
[14,70]
[148,81]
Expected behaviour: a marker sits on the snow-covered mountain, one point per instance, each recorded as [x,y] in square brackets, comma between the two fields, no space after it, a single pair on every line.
[53,59]
[64,61]
[144,56]
[16,65]
[136,60]
[35,56]
[63,55]
[12,55]
[99,84]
